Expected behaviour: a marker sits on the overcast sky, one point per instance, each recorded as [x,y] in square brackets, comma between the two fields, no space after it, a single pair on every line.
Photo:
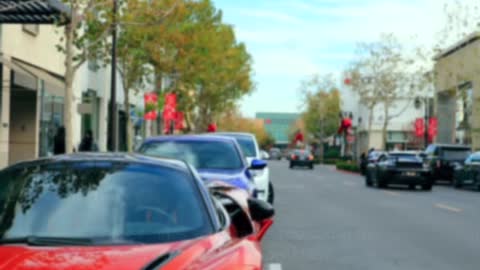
[291,39]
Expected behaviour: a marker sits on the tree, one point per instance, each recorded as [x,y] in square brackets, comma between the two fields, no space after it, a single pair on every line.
[133,58]
[233,121]
[85,37]
[212,70]
[321,107]
[384,73]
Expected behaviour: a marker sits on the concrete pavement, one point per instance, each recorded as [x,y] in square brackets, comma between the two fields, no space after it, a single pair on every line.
[330,220]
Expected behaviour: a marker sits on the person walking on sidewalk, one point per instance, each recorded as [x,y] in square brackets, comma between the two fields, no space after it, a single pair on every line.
[59,142]
[88,144]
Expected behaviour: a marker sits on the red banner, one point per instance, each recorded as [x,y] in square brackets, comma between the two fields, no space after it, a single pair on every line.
[299,137]
[179,121]
[151,101]
[432,128]
[419,127]
[169,108]
[345,125]
[212,128]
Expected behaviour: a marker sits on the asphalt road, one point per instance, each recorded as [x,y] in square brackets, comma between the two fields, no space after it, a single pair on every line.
[329,220]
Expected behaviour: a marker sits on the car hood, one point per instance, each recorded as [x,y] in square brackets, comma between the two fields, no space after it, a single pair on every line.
[20,257]
[236,178]
[222,175]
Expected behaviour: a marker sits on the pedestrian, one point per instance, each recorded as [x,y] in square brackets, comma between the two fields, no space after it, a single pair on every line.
[87,144]
[59,142]
[363,163]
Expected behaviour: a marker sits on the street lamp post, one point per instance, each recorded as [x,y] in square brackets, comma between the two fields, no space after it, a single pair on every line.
[113,125]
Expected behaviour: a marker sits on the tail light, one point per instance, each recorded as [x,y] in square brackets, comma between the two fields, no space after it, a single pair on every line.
[310,157]
[293,157]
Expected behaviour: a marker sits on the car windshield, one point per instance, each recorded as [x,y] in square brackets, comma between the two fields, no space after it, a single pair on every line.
[118,203]
[200,154]
[404,156]
[247,144]
[455,154]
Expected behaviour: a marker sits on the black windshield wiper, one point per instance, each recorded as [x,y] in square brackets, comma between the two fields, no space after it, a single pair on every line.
[47,241]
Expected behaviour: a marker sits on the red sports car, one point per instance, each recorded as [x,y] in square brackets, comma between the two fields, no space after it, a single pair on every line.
[111,211]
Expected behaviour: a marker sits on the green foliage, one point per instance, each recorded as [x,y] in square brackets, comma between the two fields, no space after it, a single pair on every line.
[267,141]
[322,106]
[332,153]
[348,166]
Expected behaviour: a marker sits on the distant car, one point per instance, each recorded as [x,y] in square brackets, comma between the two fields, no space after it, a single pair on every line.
[264,155]
[302,158]
[441,158]
[275,154]
[249,145]
[119,211]
[214,157]
[468,173]
[399,168]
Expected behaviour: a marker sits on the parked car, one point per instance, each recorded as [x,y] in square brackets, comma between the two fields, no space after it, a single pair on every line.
[399,168]
[115,211]
[275,154]
[302,158]
[264,154]
[441,158]
[468,173]
[214,157]
[249,145]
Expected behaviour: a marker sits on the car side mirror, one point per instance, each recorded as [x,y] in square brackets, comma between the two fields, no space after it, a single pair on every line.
[258,164]
[260,210]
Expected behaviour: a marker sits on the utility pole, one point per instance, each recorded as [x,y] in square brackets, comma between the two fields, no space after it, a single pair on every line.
[113,124]
[426,122]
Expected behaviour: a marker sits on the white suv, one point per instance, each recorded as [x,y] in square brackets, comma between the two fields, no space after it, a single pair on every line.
[251,151]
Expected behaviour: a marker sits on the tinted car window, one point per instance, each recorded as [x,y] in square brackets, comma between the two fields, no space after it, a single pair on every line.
[302,153]
[454,154]
[405,156]
[118,202]
[200,154]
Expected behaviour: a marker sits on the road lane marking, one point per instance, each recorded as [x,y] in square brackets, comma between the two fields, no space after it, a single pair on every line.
[448,208]
[391,193]
[275,266]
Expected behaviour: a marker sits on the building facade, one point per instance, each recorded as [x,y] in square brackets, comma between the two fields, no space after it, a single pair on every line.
[278,125]
[457,88]
[33,90]
[400,130]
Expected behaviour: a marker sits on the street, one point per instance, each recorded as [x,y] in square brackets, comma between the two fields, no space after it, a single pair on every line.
[329,220]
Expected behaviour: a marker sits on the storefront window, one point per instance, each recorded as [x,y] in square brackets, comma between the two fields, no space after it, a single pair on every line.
[51,120]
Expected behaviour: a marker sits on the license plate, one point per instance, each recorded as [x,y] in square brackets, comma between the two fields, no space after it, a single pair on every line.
[410,173]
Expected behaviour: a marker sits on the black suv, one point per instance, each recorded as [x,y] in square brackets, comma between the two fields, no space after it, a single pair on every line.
[442,158]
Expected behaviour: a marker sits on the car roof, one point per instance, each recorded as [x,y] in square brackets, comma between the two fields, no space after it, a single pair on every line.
[452,146]
[404,153]
[190,138]
[106,157]
[243,134]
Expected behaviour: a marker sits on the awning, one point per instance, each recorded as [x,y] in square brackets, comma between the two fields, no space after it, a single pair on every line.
[53,84]
[33,11]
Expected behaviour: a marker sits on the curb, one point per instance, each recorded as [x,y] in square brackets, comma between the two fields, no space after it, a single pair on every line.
[347,172]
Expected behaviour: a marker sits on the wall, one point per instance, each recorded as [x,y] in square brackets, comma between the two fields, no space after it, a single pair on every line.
[38,50]
[23,126]
[455,66]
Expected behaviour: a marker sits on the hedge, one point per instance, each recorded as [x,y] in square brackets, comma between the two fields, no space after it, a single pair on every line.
[330,161]
[348,166]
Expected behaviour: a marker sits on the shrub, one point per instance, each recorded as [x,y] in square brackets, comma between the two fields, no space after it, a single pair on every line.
[330,161]
[348,166]
[332,153]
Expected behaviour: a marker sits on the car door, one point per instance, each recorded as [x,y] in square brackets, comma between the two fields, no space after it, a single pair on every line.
[381,166]
[467,175]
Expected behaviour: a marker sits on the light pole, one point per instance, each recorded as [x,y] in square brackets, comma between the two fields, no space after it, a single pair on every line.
[113,125]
